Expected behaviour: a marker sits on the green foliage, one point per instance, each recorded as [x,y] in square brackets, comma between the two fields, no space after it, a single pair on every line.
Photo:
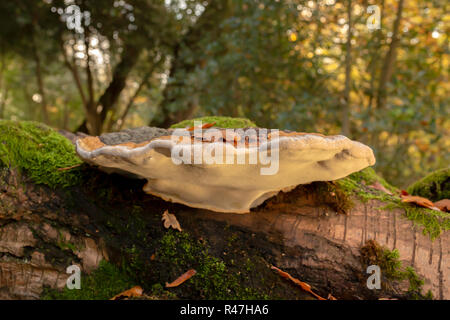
[38,151]
[282,65]
[435,186]
[358,184]
[221,122]
[102,284]
[433,222]
[392,268]
[391,264]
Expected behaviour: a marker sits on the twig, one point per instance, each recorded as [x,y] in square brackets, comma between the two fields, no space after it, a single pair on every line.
[71,167]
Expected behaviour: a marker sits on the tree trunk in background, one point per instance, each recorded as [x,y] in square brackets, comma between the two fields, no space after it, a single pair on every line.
[3,101]
[348,71]
[130,103]
[96,111]
[119,122]
[40,81]
[110,96]
[389,60]
[374,62]
[66,115]
[91,108]
[3,86]
[208,23]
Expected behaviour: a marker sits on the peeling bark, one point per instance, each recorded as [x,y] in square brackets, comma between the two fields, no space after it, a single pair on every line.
[35,230]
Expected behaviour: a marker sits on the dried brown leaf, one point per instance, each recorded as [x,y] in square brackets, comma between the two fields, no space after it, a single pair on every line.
[306,287]
[378,186]
[68,168]
[185,276]
[133,292]
[170,221]
[404,193]
[420,201]
[443,205]
[205,126]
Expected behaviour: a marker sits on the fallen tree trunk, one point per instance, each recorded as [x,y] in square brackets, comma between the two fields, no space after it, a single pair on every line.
[43,231]
[310,232]
[324,247]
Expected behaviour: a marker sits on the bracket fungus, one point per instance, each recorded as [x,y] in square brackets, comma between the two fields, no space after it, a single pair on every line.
[224,170]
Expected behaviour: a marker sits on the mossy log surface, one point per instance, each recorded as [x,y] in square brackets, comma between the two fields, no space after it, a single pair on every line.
[435,186]
[315,232]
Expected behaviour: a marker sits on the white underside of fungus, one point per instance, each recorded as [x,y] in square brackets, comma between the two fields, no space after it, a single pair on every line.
[303,158]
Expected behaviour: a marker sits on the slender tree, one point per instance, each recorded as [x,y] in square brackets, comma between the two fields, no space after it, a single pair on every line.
[184,62]
[389,59]
[348,71]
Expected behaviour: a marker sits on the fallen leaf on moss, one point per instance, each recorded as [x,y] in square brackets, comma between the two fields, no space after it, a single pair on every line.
[68,168]
[404,193]
[420,201]
[306,287]
[378,186]
[205,126]
[443,205]
[133,292]
[185,276]
[170,221]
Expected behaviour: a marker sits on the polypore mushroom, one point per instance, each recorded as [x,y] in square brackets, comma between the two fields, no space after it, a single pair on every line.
[224,170]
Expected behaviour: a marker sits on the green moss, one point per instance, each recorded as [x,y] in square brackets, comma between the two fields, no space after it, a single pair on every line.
[392,268]
[433,222]
[102,284]
[435,186]
[38,151]
[390,263]
[221,122]
[333,195]
[178,252]
[67,246]
[358,183]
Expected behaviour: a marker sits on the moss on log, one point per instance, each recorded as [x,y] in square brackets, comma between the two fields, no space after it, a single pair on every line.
[220,122]
[435,186]
[38,151]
